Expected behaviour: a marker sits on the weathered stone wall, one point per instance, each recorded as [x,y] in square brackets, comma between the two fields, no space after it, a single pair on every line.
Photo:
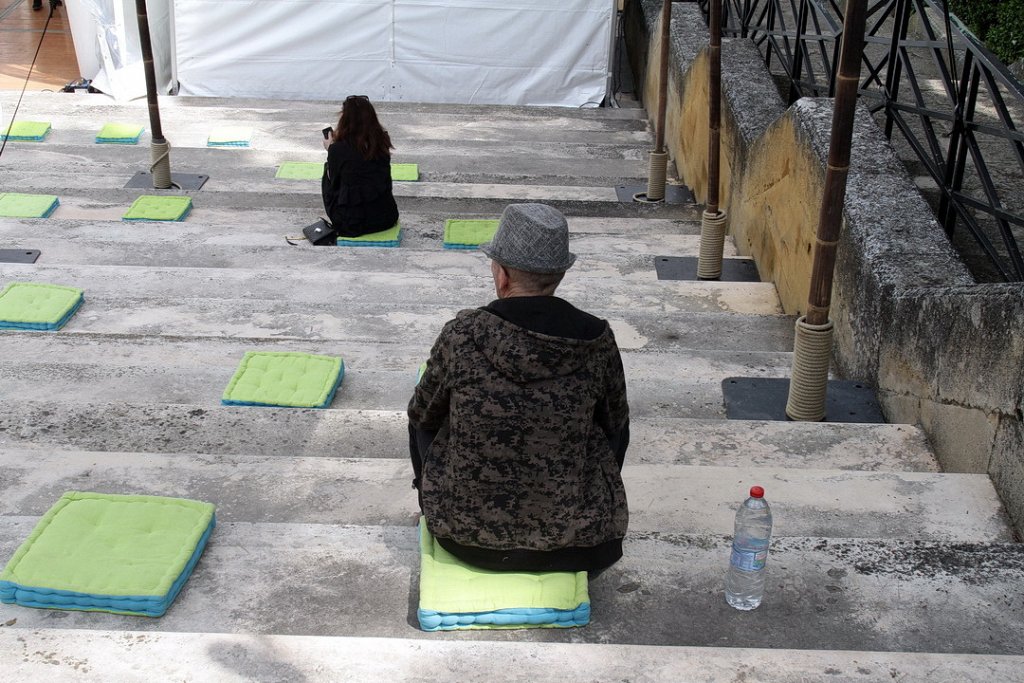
[943,351]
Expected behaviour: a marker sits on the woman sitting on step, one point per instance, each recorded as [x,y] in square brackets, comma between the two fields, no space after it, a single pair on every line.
[356,185]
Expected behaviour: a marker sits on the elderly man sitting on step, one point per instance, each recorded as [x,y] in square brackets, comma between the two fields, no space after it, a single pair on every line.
[519,425]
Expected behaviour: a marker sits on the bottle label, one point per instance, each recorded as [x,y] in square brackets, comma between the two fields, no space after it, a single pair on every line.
[748,560]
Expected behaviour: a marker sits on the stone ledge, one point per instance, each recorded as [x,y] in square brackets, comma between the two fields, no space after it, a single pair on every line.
[944,352]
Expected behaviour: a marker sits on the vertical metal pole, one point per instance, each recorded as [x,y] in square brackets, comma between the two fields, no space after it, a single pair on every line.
[798,52]
[658,161]
[956,153]
[894,72]
[714,104]
[659,124]
[830,217]
[712,228]
[160,168]
[813,346]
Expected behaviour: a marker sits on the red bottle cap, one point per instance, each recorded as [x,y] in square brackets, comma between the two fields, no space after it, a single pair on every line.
[756,492]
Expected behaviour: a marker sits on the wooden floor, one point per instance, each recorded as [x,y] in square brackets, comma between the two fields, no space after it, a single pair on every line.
[20,30]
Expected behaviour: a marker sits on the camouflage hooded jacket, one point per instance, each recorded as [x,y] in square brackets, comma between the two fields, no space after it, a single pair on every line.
[522,458]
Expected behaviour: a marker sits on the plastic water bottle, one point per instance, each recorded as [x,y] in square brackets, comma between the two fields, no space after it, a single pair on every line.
[744,583]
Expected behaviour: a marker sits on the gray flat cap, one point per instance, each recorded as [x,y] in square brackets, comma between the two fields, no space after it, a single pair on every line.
[532,237]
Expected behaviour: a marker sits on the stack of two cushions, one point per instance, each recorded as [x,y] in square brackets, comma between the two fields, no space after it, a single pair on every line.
[109,553]
[455,596]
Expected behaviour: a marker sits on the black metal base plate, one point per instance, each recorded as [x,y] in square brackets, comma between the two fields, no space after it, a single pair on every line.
[184,181]
[758,398]
[685,268]
[674,194]
[19,255]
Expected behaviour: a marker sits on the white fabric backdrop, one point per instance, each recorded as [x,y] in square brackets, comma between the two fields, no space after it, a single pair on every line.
[106,37]
[538,52]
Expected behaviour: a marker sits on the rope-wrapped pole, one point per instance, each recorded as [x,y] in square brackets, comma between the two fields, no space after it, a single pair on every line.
[657,170]
[713,228]
[159,148]
[819,301]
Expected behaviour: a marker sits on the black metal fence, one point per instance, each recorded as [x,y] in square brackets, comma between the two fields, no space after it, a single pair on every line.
[954,104]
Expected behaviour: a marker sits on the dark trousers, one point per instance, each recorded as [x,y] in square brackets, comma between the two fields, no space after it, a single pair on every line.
[420,441]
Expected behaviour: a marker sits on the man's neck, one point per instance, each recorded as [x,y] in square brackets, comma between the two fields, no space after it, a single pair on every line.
[513,292]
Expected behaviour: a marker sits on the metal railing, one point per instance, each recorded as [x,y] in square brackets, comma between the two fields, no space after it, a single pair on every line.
[925,75]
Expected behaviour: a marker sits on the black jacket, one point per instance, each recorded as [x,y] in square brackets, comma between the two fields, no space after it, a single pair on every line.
[527,402]
[357,193]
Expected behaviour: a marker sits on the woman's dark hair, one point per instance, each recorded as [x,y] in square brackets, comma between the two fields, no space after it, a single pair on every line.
[358,124]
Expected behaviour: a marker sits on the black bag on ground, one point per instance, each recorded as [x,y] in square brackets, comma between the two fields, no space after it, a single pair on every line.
[321,234]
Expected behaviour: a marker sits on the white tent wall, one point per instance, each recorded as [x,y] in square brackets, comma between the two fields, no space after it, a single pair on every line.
[106,37]
[533,52]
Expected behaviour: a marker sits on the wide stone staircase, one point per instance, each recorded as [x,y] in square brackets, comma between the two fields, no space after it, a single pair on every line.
[881,567]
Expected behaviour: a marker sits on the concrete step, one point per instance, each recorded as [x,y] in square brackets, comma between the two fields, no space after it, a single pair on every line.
[888,595]
[587,158]
[241,111]
[421,253]
[595,249]
[378,376]
[221,430]
[620,247]
[78,219]
[144,656]
[108,189]
[416,325]
[269,283]
[666,498]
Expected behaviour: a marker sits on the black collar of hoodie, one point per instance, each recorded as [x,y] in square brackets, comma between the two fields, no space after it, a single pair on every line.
[548,315]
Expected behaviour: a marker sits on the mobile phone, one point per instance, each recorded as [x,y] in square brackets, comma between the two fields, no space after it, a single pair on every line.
[327,132]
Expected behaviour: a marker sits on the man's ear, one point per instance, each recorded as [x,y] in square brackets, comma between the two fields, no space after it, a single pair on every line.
[501,278]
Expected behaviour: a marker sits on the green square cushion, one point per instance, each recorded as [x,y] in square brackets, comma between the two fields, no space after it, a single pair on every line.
[385,238]
[300,170]
[285,379]
[37,306]
[405,172]
[310,170]
[454,595]
[468,234]
[34,131]
[158,208]
[14,205]
[119,134]
[229,137]
[106,552]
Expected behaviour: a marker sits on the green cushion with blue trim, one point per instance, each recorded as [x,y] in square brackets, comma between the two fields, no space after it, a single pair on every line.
[386,238]
[14,205]
[455,595]
[310,170]
[26,131]
[229,137]
[300,170]
[468,234]
[405,172]
[285,379]
[37,306]
[159,208]
[109,553]
[119,134]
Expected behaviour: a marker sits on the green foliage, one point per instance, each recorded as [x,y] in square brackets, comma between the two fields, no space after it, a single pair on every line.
[998,23]
[1006,38]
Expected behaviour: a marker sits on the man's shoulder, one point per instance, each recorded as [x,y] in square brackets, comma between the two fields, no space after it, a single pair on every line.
[465,321]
